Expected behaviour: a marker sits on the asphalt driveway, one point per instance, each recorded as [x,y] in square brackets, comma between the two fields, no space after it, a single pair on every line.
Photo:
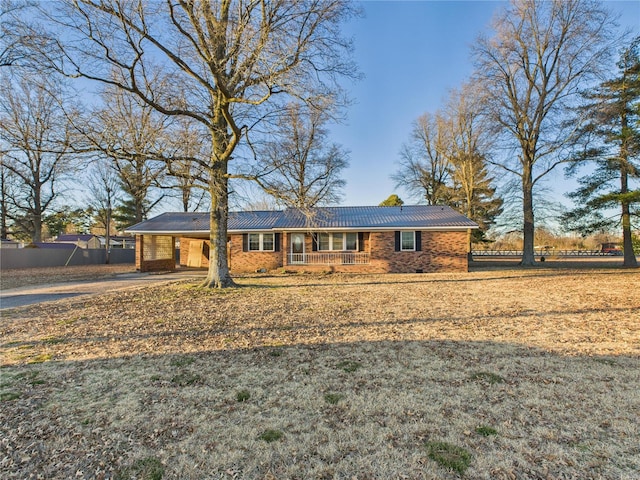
[19,297]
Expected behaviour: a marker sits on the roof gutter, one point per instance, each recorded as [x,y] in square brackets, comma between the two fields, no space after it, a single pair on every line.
[459,228]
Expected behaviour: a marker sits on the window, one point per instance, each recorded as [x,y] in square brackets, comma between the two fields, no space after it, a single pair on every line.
[259,242]
[337,241]
[407,241]
[254,241]
[267,241]
[324,241]
[351,241]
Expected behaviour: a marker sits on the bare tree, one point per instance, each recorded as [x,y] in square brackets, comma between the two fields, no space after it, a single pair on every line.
[532,68]
[472,187]
[298,167]
[13,39]
[7,188]
[446,161]
[104,190]
[131,134]
[424,169]
[231,61]
[186,143]
[37,136]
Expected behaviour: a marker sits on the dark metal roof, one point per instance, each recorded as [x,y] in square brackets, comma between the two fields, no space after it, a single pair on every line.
[184,222]
[74,237]
[321,218]
[411,216]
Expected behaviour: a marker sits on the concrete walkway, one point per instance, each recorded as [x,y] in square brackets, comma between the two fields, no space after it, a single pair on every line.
[19,297]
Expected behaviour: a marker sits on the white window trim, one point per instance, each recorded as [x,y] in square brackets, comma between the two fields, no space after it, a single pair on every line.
[261,242]
[344,242]
[413,249]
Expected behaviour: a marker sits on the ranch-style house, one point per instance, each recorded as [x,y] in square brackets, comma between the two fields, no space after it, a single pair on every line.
[407,239]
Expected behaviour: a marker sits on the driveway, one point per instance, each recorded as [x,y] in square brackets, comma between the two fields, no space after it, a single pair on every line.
[19,297]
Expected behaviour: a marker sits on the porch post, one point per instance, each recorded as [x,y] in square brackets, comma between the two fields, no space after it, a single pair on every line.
[284,245]
[139,252]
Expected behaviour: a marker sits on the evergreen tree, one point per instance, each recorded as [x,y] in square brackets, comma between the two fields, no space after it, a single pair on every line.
[392,201]
[473,192]
[611,146]
[128,213]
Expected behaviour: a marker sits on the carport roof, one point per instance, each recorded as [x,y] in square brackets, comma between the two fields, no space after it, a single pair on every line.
[321,218]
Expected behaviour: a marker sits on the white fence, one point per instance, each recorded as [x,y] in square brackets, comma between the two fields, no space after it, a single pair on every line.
[546,253]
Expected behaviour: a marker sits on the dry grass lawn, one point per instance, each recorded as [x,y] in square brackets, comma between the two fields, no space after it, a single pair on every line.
[534,373]
[23,277]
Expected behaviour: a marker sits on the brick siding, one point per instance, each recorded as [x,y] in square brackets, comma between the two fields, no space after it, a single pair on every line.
[440,252]
[249,262]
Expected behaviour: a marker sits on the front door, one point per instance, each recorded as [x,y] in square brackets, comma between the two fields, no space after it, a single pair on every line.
[297,248]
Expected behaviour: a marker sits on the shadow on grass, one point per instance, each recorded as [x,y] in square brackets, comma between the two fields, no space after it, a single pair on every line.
[307,280]
[295,329]
[549,415]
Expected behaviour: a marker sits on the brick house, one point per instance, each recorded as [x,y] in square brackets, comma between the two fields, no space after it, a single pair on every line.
[407,239]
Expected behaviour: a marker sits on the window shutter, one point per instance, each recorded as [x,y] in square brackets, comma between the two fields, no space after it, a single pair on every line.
[276,242]
[314,242]
[245,242]
[397,241]
[360,241]
[418,241]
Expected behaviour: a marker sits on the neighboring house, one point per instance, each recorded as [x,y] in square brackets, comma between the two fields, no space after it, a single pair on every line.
[51,245]
[5,243]
[80,240]
[119,242]
[405,239]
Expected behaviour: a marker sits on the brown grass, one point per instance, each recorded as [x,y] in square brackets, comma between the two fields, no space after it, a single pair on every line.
[547,358]
[22,277]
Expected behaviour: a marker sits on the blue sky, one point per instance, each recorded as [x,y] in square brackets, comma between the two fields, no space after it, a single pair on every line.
[411,53]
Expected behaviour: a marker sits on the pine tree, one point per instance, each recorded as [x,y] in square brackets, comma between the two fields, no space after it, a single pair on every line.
[474,194]
[611,147]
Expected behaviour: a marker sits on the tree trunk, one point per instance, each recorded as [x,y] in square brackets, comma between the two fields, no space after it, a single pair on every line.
[3,204]
[627,243]
[528,229]
[107,236]
[36,236]
[218,275]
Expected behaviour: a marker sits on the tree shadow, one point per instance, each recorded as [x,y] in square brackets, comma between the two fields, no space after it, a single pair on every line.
[343,409]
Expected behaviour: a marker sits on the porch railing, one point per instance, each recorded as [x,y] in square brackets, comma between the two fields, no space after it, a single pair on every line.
[326,258]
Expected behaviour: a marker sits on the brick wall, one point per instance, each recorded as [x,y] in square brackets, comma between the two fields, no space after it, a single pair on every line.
[239,261]
[185,245]
[441,252]
[249,262]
